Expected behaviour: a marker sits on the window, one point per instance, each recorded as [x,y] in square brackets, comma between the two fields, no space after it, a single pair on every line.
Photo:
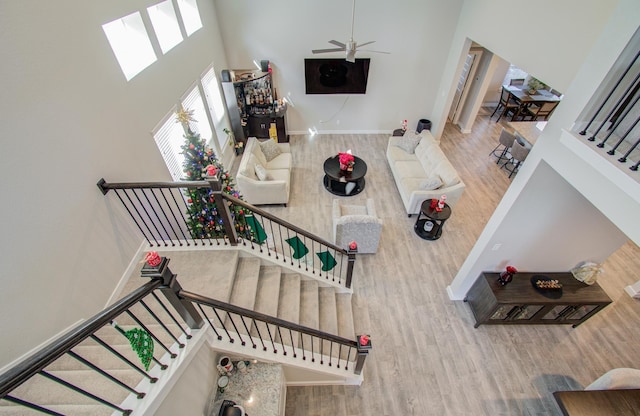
[169,137]
[193,101]
[190,15]
[215,103]
[130,43]
[165,24]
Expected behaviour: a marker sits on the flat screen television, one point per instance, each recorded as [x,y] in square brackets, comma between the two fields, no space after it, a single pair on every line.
[336,76]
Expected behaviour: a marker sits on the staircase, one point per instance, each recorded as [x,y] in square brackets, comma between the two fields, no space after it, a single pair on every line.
[226,275]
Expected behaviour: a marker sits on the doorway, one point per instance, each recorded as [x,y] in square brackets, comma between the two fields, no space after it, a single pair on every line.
[462,88]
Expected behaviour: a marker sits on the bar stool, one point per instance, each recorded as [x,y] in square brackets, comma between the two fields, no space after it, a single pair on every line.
[506,139]
[518,154]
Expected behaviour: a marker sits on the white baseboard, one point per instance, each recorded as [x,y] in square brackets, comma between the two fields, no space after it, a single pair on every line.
[117,292]
[306,132]
[632,292]
[39,347]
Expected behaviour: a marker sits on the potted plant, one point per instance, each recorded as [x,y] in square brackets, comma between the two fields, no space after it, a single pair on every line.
[535,84]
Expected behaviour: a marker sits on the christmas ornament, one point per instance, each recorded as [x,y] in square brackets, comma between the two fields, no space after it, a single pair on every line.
[153,259]
[184,116]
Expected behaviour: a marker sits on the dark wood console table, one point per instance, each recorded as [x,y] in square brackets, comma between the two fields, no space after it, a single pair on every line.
[599,402]
[520,303]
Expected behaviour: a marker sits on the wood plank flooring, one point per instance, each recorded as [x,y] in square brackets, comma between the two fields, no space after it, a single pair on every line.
[427,357]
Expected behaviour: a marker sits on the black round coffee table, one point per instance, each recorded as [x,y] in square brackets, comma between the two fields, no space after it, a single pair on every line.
[430,222]
[341,182]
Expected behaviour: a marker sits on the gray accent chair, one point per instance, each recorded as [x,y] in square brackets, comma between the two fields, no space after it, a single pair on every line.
[357,223]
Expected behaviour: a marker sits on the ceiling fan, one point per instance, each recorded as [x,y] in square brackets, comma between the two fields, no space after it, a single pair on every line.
[351,46]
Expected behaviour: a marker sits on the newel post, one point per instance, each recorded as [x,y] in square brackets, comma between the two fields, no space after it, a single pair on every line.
[351,260]
[223,208]
[170,290]
[364,346]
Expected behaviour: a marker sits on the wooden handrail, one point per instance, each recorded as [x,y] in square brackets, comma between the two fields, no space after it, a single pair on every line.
[21,372]
[203,300]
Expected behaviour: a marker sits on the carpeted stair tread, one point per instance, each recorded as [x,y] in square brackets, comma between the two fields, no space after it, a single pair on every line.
[267,297]
[328,317]
[113,337]
[97,355]
[345,316]
[289,304]
[43,391]
[206,272]
[309,312]
[244,290]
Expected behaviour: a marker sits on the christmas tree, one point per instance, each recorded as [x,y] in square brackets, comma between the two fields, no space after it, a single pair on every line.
[203,218]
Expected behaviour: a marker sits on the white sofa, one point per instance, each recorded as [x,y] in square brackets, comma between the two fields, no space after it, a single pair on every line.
[274,188]
[414,173]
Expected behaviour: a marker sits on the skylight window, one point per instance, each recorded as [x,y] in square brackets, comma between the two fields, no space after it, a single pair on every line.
[165,24]
[190,15]
[130,43]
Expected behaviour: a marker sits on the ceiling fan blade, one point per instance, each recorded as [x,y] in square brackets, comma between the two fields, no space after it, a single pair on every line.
[366,43]
[327,50]
[335,42]
[367,50]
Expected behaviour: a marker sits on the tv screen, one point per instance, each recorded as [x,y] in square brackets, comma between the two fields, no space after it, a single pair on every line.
[336,76]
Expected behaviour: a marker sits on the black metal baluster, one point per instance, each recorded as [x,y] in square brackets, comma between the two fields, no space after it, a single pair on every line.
[635,167]
[245,327]
[134,218]
[339,355]
[253,322]
[284,350]
[264,347]
[84,392]
[273,345]
[180,344]
[623,159]
[313,258]
[158,217]
[313,357]
[322,352]
[123,358]
[615,107]
[583,132]
[330,352]
[209,321]
[100,371]
[231,340]
[31,405]
[235,327]
[175,219]
[615,126]
[274,240]
[170,315]
[293,346]
[612,151]
[284,257]
[304,355]
[148,216]
[171,353]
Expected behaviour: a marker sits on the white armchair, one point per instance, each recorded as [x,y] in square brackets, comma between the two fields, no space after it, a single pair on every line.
[356,223]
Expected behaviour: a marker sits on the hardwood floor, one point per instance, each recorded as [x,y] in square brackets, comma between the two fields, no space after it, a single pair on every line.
[427,357]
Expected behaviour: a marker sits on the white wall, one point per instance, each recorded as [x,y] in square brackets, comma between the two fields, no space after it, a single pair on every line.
[70,118]
[600,185]
[402,85]
[196,387]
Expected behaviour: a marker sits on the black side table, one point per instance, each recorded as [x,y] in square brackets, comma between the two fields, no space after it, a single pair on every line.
[430,222]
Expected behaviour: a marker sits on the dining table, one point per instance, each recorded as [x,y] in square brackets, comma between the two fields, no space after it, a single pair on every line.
[526,132]
[520,94]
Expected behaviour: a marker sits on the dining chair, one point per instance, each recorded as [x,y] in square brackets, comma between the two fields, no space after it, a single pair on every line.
[505,140]
[518,154]
[543,109]
[507,103]
[555,92]
[516,81]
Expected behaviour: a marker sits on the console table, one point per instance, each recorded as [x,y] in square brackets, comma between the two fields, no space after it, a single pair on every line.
[520,303]
[344,183]
[598,402]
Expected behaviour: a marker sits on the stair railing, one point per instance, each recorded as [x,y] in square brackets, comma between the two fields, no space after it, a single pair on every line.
[613,118]
[131,310]
[160,211]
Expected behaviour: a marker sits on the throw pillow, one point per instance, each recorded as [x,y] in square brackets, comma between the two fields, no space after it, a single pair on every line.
[261,172]
[429,184]
[249,168]
[270,149]
[408,143]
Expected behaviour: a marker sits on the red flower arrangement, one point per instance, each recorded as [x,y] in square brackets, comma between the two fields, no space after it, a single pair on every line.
[507,275]
[153,259]
[346,160]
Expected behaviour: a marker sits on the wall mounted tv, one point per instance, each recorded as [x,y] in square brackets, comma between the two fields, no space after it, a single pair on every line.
[336,76]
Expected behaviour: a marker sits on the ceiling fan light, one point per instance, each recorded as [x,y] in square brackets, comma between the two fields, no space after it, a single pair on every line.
[351,56]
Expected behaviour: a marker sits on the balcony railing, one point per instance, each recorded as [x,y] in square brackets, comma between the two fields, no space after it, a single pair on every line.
[163,213]
[613,118]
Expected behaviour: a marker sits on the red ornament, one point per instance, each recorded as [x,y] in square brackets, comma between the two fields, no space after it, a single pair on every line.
[191,146]
[434,203]
[353,245]
[153,259]
[228,188]
[211,170]
[364,340]
[190,200]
